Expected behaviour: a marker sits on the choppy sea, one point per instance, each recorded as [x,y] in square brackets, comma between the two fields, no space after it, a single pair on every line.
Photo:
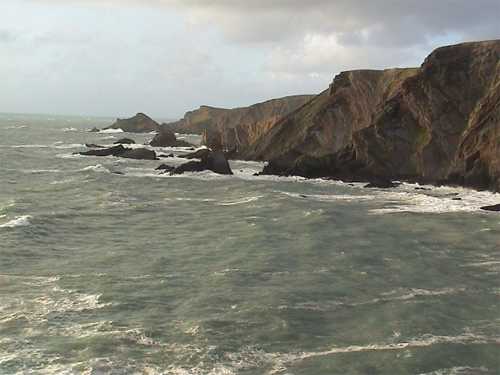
[107,267]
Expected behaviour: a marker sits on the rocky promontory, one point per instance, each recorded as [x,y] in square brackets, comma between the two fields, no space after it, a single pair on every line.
[237,128]
[140,123]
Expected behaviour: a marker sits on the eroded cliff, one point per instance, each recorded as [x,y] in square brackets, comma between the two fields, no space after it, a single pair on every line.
[439,122]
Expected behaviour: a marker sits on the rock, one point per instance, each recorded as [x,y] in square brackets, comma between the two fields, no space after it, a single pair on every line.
[165,167]
[92,145]
[139,153]
[382,184]
[214,161]
[120,151]
[166,156]
[111,151]
[167,138]
[456,199]
[118,173]
[200,154]
[494,208]
[125,141]
[94,130]
[422,188]
[140,123]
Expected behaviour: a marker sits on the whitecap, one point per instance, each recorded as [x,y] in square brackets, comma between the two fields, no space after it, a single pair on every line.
[20,221]
[107,131]
[95,168]
[461,370]
[67,146]
[70,130]
[240,201]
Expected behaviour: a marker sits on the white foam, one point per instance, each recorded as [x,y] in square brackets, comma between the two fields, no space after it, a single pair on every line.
[70,130]
[437,200]
[462,370]
[68,146]
[240,201]
[111,131]
[20,221]
[95,168]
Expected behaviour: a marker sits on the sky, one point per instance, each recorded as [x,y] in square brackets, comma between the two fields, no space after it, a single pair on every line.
[165,57]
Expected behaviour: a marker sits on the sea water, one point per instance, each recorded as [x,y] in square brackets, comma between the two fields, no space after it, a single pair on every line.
[109,267]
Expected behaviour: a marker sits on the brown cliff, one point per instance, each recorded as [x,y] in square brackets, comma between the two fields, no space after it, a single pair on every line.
[439,122]
[235,129]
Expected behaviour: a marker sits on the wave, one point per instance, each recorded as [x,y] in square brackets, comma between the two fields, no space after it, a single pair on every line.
[437,200]
[110,131]
[95,168]
[240,201]
[282,360]
[17,127]
[462,370]
[329,197]
[20,221]
[66,130]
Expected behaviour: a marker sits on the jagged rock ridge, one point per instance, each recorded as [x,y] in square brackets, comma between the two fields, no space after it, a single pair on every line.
[236,128]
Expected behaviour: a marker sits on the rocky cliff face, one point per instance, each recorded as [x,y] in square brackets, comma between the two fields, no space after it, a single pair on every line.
[439,122]
[235,129]
[140,123]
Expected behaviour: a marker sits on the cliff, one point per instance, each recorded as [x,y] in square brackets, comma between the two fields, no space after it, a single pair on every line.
[235,129]
[436,123]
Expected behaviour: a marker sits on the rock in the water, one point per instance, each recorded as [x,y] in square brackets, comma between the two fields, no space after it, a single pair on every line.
[200,154]
[140,123]
[210,160]
[382,184]
[111,151]
[119,150]
[94,130]
[93,145]
[166,155]
[125,141]
[167,138]
[165,167]
[139,153]
[494,208]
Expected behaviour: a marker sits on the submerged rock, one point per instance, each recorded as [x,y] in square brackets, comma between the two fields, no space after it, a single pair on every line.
[165,167]
[166,155]
[382,184]
[94,130]
[93,145]
[125,141]
[494,208]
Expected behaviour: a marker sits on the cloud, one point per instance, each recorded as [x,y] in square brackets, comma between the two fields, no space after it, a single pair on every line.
[7,36]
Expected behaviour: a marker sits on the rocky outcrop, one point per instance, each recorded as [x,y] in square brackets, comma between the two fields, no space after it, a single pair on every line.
[214,161]
[494,208]
[235,129]
[122,152]
[167,138]
[111,151]
[139,154]
[436,123]
[124,141]
[140,123]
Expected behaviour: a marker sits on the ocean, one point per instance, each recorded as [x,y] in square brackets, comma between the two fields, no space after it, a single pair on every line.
[108,267]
